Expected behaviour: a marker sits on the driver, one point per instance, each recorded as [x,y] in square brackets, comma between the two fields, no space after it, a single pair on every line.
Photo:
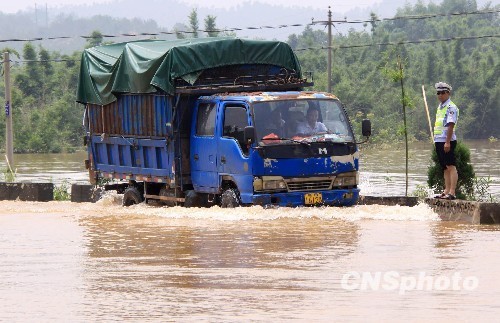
[311,126]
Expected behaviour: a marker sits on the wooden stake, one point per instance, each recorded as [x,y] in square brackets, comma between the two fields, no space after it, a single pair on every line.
[427,110]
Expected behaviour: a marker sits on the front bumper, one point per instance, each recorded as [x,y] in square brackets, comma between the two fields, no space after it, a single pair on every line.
[340,197]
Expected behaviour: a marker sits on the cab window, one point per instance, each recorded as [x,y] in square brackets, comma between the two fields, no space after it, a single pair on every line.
[205,120]
[235,121]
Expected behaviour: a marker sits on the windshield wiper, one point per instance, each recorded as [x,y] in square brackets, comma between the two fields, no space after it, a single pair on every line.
[290,139]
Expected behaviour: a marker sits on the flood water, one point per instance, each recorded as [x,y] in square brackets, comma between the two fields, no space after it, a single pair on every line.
[70,262]
[382,170]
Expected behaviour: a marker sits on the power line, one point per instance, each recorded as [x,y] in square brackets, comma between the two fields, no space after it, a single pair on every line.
[400,42]
[175,32]
[419,17]
[313,48]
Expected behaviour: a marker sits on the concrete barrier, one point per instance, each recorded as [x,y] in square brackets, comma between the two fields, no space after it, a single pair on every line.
[39,192]
[85,193]
[388,200]
[456,210]
[466,211]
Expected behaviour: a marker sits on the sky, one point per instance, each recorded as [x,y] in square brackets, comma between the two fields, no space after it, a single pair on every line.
[340,5]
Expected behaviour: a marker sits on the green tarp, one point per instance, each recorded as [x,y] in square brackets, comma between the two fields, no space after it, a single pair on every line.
[146,66]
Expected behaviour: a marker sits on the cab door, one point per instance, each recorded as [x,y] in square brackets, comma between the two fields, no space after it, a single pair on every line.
[203,148]
[233,150]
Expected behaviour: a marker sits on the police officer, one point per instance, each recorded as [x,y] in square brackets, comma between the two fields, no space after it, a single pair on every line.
[445,138]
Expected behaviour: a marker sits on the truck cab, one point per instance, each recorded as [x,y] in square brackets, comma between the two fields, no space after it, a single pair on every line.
[248,149]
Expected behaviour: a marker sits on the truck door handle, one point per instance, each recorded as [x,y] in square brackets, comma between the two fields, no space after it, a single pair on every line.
[223,159]
[196,157]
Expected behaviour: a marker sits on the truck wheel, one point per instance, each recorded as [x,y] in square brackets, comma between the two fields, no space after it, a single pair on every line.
[230,198]
[131,196]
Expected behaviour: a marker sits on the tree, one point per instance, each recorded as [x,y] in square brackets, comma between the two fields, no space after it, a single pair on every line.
[193,22]
[210,26]
[180,30]
[431,65]
[47,71]
[47,68]
[11,51]
[30,82]
[95,39]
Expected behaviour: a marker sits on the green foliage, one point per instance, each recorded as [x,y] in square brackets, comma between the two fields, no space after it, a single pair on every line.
[46,118]
[95,39]
[61,192]
[13,53]
[45,115]
[421,192]
[471,66]
[193,22]
[210,26]
[9,175]
[466,175]
[482,190]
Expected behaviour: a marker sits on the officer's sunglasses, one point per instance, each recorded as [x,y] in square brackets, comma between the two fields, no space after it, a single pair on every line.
[441,92]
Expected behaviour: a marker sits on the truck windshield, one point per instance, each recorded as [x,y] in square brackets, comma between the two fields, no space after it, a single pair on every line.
[304,121]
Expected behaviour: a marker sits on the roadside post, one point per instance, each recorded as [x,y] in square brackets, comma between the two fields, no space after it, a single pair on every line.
[9,145]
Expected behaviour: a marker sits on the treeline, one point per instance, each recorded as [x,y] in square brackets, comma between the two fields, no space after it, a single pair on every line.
[22,25]
[47,119]
[361,80]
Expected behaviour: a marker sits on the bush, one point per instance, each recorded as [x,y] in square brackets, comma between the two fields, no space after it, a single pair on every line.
[466,175]
[61,192]
[482,190]
[9,176]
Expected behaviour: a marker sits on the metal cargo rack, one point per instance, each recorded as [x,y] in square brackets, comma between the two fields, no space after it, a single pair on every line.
[244,78]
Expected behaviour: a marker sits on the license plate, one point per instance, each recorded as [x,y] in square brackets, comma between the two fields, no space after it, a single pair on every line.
[313,198]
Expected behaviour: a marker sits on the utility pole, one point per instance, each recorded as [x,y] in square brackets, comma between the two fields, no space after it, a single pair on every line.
[329,50]
[9,146]
[329,23]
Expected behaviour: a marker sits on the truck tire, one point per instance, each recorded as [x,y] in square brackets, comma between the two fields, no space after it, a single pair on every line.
[230,198]
[132,196]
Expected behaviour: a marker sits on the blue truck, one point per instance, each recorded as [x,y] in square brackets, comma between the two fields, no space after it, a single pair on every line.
[214,121]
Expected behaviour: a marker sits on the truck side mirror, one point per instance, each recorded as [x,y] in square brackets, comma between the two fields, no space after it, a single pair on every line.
[249,135]
[366,128]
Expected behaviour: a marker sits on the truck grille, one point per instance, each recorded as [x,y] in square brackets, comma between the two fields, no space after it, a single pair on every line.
[309,184]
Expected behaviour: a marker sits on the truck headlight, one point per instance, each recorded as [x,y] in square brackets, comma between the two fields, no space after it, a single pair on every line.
[346,179]
[269,183]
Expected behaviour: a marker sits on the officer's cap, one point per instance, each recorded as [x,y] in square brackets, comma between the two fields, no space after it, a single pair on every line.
[441,86]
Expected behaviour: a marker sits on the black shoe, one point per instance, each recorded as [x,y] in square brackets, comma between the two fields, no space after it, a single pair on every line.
[440,196]
[450,197]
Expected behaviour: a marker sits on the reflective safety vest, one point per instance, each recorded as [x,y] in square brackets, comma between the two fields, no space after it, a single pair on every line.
[441,114]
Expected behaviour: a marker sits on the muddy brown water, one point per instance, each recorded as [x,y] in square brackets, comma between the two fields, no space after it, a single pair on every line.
[70,262]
